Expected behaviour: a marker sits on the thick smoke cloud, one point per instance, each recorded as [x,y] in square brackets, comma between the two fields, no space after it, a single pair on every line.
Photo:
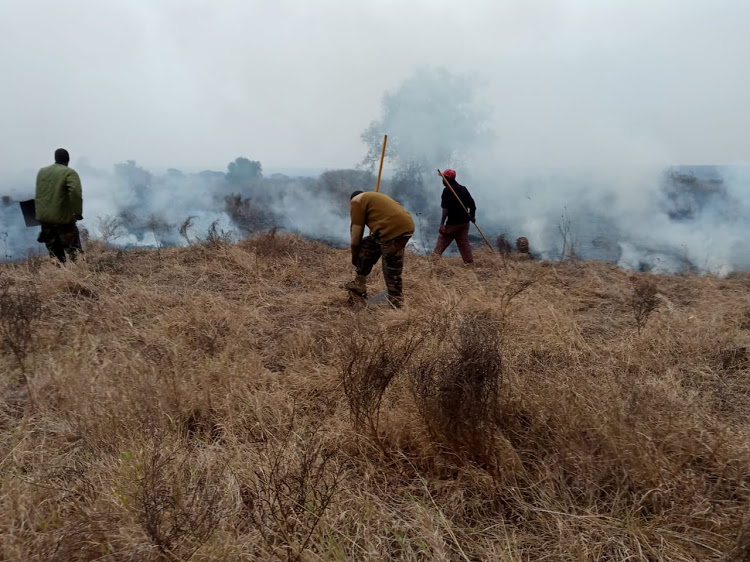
[592,104]
[644,214]
[663,218]
[128,206]
[660,219]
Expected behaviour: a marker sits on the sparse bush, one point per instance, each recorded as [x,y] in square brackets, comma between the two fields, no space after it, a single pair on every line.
[20,308]
[178,505]
[370,363]
[159,228]
[4,238]
[643,301]
[457,389]
[566,233]
[425,245]
[217,238]
[110,228]
[184,227]
[294,484]
[34,262]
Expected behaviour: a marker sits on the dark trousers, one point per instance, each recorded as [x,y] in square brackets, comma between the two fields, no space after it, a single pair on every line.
[392,252]
[63,241]
[459,233]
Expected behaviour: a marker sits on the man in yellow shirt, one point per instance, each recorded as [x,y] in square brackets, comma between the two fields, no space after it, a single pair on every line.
[391,227]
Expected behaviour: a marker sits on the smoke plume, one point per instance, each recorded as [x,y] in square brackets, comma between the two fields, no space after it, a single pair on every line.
[643,214]
[640,215]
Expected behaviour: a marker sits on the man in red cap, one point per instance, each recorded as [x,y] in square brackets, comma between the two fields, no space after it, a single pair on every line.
[454,225]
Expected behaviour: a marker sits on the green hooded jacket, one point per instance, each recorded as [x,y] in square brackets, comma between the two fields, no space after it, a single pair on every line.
[58,195]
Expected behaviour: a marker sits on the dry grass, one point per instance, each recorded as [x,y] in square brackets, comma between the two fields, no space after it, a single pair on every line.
[223,402]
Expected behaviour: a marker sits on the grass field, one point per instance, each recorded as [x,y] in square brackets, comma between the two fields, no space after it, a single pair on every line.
[226,402]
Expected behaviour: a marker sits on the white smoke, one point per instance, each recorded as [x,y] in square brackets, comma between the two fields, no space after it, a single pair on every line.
[129,206]
[644,213]
[629,214]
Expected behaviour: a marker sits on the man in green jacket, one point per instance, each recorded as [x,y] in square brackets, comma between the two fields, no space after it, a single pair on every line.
[59,204]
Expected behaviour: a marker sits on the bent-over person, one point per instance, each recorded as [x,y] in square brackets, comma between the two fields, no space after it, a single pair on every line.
[391,227]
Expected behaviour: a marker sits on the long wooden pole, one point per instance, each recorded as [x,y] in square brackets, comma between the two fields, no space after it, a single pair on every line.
[447,183]
[382,156]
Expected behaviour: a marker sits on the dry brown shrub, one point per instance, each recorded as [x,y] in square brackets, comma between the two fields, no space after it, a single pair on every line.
[643,301]
[34,262]
[457,388]
[110,228]
[370,361]
[246,215]
[217,238]
[513,288]
[277,245]
[20,309]
[184,229]
[178,503]
[295,480]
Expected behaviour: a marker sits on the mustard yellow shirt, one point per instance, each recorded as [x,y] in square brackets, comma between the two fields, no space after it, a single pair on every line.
[385,218]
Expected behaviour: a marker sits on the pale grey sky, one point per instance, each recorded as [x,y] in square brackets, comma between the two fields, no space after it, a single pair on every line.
[294,83]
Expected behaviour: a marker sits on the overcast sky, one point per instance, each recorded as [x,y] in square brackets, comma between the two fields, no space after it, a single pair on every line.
[196,83]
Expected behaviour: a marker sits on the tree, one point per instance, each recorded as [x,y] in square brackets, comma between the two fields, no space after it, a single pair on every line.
[243,172]
[133,175]
[339,184]
[433,120]
[408,187]
[137,182]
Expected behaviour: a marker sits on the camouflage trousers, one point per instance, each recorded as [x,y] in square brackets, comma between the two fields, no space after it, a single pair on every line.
[392,252]
[62,240]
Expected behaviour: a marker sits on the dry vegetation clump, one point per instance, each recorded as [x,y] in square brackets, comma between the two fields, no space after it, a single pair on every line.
[644,301]
[223,401]
[370,361]
[20,308]
[457,387]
